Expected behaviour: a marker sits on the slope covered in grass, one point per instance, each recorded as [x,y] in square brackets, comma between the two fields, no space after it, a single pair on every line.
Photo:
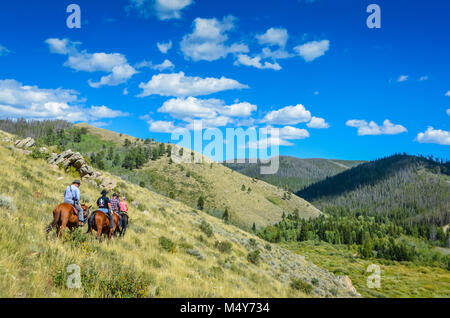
[170,249]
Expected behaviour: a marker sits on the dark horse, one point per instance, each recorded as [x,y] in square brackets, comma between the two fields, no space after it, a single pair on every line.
[122,229]
[101,224]
[64,216]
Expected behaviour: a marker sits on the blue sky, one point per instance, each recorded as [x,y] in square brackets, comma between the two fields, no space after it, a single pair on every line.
[334,87]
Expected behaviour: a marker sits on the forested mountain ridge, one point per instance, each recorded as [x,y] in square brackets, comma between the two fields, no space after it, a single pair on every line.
[411,191]
[295,173]
[372,172]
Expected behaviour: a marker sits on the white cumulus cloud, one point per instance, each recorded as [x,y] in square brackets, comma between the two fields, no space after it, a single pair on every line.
[161,126]
[318,123]
[434,136]
[289,132]
[18,100]
[273,36]
[289,115]
[208,40]
[177,84]
[372,128]
[312,50]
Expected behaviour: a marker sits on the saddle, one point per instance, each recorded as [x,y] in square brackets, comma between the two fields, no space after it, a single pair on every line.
[75,211]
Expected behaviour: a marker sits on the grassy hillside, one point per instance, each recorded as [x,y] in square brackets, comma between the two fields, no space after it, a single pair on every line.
[247,200]
[295,173]
[170,250]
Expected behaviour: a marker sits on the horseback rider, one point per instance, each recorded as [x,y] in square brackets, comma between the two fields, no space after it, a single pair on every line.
[72,196]
[115,205]
[104,205]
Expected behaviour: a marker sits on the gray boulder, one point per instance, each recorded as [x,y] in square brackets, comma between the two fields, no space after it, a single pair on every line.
[25,143]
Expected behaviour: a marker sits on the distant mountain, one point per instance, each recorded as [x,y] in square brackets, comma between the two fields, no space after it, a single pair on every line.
[295,173]
[405,188]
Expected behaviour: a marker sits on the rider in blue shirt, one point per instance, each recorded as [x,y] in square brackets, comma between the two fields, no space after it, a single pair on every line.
[72,196]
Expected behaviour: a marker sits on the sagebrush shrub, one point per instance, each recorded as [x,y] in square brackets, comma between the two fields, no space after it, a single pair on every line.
[298,284]
[253,257]
[224,247]
[206,228]
[167,244]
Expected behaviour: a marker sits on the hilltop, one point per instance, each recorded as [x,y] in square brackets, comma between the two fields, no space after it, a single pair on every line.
[170,250]
[295,173]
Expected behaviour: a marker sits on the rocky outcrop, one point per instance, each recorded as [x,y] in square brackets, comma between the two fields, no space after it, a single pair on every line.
[346,281]
[69,158]
[25,143]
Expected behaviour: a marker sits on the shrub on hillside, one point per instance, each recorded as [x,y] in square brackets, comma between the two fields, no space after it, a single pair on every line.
[167,244]
[253,257]
[224,247]
[206,228]
[298,284]
[37,154]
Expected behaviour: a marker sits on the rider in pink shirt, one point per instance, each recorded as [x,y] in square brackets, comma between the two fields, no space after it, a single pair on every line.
[123,205]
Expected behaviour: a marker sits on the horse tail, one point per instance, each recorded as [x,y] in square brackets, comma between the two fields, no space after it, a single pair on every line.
[56,218]
[89,222]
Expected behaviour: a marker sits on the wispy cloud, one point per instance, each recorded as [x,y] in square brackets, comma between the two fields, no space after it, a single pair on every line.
[164,47]
[372,128]
[162,9]
[4,51]
[402,78]
[113,63]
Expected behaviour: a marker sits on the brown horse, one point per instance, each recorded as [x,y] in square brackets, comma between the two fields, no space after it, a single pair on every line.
[64,216]
[101,224]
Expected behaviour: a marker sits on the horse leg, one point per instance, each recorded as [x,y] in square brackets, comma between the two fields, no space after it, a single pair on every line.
[61,228]
[56,215]
[99,233]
